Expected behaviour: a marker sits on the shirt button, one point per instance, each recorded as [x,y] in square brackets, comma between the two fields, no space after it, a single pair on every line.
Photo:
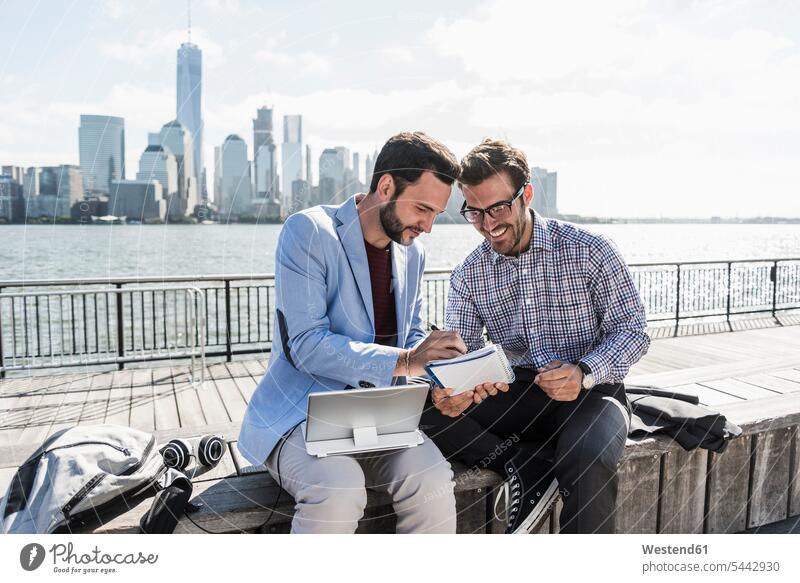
[529,301]
[524,272]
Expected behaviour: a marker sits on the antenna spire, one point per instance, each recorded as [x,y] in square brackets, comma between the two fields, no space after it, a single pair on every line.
[189,14]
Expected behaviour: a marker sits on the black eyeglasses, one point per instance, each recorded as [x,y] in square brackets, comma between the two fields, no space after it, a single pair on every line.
[498,211]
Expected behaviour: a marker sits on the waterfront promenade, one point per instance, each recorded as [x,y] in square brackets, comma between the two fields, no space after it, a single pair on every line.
[751,374]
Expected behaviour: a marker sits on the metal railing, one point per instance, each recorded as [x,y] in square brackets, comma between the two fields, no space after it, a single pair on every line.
[237,310]
[95,326]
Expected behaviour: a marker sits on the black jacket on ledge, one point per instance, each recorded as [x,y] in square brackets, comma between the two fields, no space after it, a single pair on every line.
[680,416]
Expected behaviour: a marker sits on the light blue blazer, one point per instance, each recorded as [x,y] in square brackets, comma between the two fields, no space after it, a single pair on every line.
[325,323]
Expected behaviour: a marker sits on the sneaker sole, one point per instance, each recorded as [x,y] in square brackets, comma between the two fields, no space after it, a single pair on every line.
[544,505]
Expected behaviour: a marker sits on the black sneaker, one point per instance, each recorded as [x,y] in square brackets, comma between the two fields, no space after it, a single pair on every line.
[530,489]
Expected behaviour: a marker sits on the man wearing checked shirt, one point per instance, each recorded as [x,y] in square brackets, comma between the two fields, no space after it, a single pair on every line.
[562,304]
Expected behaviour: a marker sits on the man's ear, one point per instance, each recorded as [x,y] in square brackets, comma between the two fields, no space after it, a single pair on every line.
[386,187]
[528,194]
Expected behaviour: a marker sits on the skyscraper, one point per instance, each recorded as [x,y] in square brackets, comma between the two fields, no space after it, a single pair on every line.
[60,187]
[356,167]
[545,195]
[158,163]
[188,107]
[265,164]
[333,172]
[101,145]
[369,166]
[178,140]
[309,174]
[235,192]
[291,156]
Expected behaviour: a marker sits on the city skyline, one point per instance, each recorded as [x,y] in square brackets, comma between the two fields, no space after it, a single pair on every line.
[674,112]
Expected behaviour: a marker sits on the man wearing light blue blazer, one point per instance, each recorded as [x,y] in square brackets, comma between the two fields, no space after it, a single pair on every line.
[347,281]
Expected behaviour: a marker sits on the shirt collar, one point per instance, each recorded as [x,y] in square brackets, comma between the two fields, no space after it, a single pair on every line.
[541,239]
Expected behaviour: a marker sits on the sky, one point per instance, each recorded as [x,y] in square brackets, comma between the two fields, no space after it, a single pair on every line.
[644,108]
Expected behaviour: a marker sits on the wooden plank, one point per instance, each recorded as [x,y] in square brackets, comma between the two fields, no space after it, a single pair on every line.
[555,516]
[709,373]
[470,510]
[119,399]
[232,398]
[236,368]
[164,402]
[637,495]
[771,382]
[256,368]
[242,465]
[683,486]
[39,426]
[96,405]
[190,412]
[69,412]
[788,374]
[764,414]
[211,402]
[740,389]
[706,395]
[143,414]
[769,484]
[18,403]
[726,497]
[247,386]
[794,475]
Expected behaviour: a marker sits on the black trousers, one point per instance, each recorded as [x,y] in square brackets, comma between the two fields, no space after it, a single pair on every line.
[585,439]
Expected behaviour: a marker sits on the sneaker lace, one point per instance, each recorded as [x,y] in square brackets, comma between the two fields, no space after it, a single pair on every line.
[509,492]
[503,492]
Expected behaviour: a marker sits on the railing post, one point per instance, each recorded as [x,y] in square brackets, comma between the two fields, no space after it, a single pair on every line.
[678,297]
[228,354]
[2,370]
[728,304]
[773,275]
[120,328]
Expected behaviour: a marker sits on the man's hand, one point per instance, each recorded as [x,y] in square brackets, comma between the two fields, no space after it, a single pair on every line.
[561,381]
[486,390]
[439,344]
[451,406]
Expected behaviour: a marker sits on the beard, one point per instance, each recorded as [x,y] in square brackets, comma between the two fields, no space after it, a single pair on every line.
[391,224]
[516,229]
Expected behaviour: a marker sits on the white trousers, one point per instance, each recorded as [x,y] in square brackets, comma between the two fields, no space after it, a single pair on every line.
[330,493]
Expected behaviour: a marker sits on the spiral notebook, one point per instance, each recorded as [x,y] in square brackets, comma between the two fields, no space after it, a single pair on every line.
[487,365]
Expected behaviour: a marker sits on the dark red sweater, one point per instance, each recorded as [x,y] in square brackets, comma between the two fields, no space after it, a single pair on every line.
[380,274]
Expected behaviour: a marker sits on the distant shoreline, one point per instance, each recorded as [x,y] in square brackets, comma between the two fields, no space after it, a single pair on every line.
[457,221]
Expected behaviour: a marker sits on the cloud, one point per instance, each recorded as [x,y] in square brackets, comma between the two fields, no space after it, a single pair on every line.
[306,61]
[116,9]
[153,45]
[346,110]
[401,55]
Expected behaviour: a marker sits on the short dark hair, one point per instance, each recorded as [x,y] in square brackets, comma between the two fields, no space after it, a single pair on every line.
[491,157]
[407,155]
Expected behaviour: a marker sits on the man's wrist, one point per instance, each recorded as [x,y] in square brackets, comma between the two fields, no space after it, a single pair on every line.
[588,380]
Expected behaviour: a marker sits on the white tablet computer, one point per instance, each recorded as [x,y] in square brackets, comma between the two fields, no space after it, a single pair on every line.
[360,420]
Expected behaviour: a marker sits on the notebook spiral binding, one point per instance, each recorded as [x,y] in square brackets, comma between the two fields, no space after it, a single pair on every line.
[506,365]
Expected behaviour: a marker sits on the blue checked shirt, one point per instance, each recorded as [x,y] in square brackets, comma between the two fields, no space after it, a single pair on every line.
[568,297]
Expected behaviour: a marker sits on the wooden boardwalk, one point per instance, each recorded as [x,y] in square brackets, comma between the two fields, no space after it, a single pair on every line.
[743,373]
